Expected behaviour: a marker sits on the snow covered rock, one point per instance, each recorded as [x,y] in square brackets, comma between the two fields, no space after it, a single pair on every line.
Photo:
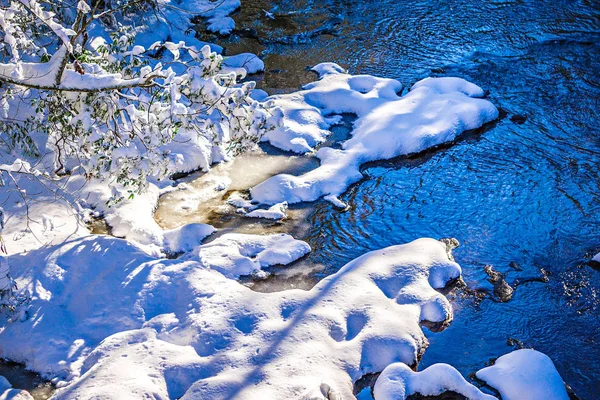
[247,61]
[398,381]
[525,374]
[435,111]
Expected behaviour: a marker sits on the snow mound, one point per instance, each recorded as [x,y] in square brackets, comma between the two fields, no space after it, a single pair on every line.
[173,22]
[238,254]
[186,238]
[524,375]
[247,61]
[435,111]
[398,381]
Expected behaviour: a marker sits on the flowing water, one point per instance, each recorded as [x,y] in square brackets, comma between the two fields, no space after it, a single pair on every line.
[523,195]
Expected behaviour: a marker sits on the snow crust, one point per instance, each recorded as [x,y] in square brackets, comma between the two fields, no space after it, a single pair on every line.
[525,374]
[435,111]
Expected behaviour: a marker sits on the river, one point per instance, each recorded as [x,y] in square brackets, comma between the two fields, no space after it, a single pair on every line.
[522,195]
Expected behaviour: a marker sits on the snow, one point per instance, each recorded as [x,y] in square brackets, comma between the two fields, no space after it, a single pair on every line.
[237,254]
[276,212]
[186,238]
[7,392]
[174,21]
[596,258]
[524,374]
[248,61]
[125,323]
[398,381]
[435,111]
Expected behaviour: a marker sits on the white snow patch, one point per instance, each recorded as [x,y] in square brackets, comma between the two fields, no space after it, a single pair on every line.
[107,318]
[186,238]
[234,254]
[435,111]
[525,374]
[276,212]
[248,61]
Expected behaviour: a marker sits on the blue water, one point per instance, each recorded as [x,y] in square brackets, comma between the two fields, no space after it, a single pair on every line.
[526,189]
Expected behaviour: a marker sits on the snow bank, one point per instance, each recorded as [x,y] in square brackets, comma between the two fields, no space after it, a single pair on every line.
[354,322]
[525,375]
[174,21]
[435,111]
[107,318]
[398,381]
[89,288]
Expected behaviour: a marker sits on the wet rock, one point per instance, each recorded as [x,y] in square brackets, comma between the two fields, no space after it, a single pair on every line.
[502,290]
[518,119]
[451,244]
[515,265]
[515,343]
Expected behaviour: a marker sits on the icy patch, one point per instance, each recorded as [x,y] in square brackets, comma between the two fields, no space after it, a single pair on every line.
[435,111]
[398,381]
[276,212]
[525,375]
[234,255]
